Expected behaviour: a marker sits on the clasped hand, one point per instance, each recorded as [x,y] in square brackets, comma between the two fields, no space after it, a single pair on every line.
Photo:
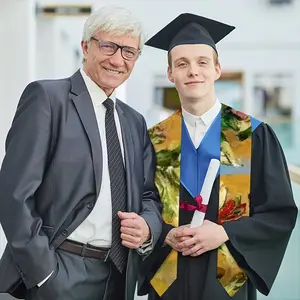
[196,241]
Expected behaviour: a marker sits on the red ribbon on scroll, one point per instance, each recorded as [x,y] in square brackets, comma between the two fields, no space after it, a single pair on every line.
[199,206]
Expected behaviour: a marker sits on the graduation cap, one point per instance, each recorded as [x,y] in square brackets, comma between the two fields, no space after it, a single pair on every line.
[190,29]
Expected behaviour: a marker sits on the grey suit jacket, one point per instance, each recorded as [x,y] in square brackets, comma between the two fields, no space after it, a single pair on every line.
[51,176]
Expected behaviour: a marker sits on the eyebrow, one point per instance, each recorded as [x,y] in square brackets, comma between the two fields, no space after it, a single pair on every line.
[204,57]
[181,58]
[185,59]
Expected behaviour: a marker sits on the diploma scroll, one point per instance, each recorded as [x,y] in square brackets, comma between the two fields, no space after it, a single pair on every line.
[210,177]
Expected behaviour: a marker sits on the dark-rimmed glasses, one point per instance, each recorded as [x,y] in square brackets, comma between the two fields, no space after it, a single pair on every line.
[110,48]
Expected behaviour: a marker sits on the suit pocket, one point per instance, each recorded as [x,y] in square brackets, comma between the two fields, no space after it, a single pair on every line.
[50,279]
[51,288]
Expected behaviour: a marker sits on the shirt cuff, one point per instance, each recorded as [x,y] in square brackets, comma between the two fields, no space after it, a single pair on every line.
[42,282]
[146,247]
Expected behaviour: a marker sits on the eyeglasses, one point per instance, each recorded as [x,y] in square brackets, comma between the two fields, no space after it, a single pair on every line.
[110,48]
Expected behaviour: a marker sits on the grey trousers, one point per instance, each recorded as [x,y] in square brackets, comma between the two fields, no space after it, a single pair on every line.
[81,278]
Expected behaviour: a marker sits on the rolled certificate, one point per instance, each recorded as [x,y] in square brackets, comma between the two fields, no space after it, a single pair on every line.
[210,177]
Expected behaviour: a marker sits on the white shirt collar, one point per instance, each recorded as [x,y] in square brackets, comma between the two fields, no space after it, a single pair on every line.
[97,94]
[207,118]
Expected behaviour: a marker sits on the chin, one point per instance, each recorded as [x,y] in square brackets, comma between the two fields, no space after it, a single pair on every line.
[112,84]
[115,81]
[196,96]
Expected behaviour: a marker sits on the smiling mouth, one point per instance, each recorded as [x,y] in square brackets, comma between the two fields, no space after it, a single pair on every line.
[193,82]
[113,71]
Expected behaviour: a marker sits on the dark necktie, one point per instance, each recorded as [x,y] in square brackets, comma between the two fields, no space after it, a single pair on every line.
[117,177]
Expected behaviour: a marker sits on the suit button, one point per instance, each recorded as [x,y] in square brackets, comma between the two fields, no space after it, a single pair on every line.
[90,205]
[65,232]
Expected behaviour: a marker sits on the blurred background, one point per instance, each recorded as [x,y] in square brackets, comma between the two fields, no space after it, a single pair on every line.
[260,62]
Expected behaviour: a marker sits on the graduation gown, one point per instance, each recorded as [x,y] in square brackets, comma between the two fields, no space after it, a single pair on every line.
[257,243]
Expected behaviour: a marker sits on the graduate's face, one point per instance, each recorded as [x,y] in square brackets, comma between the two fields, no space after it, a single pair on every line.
[109,71]
[194,69]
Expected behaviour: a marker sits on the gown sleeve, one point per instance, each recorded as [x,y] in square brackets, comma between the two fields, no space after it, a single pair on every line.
[150,265]
[258,243]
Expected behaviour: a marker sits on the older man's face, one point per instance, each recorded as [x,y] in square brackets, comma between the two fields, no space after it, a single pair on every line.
[109,71]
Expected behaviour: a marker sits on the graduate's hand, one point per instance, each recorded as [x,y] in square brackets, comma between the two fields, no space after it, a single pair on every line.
[134,230]
[207,237]
[174,237]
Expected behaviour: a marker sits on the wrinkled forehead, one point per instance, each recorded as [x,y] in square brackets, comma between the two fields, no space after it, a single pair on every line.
[120,39]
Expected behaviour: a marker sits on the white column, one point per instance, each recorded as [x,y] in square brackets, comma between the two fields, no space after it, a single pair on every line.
[17,57]
[46,44]
[58,42]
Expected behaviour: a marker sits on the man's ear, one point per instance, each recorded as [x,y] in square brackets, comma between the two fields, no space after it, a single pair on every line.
[218,71]
[170,75]
[85,48]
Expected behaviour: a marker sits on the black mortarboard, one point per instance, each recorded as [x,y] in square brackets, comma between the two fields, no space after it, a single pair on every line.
[190,29]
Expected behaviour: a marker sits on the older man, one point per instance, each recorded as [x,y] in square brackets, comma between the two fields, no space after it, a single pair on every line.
[79,207]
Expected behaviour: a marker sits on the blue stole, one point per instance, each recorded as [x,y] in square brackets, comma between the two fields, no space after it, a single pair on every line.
[194,162]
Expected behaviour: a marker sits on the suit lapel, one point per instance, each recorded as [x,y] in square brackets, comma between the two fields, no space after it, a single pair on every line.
[84,106]
[128,152]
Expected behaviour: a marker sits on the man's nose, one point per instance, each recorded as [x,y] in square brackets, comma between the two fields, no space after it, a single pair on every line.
[117,60]
[193,71]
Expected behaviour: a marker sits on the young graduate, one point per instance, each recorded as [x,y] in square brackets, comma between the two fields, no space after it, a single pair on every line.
[251,212]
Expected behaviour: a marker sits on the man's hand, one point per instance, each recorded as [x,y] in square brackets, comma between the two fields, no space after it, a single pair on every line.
[134,230]
[204,238]
[174,237]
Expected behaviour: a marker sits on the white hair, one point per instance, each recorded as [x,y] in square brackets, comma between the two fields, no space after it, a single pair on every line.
[115,21]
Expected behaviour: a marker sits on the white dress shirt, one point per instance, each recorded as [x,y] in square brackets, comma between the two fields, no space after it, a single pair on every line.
[197,126]
[96,229]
